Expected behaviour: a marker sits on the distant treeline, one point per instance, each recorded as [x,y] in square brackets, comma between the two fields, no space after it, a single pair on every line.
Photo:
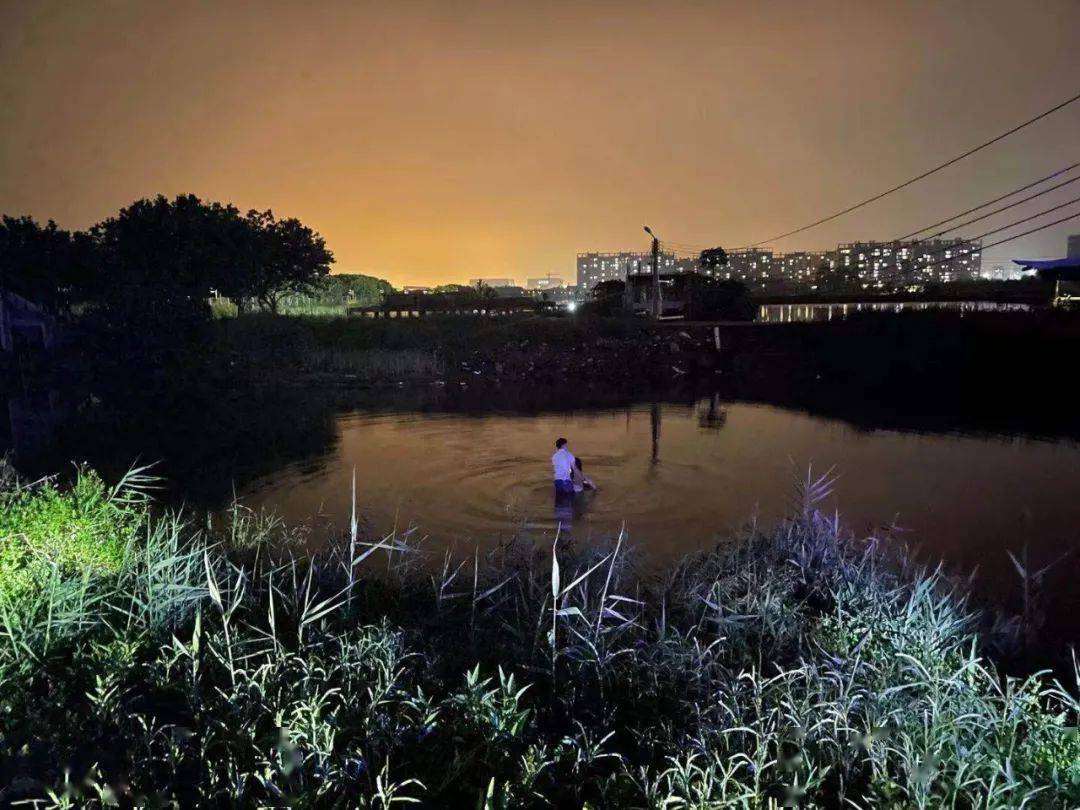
[336,291]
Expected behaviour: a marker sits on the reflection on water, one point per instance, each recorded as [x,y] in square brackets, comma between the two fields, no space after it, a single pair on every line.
[679,475]
[682,476]
[802,313]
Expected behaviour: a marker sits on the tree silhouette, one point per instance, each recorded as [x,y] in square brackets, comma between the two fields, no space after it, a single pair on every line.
[289,259]
[45,264]
[158,261]
[161,258]
[712,259]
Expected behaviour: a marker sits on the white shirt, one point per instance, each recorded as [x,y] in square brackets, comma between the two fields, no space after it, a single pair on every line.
[562,464]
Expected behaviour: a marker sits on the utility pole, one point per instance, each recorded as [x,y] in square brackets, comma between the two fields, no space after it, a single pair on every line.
[658,305]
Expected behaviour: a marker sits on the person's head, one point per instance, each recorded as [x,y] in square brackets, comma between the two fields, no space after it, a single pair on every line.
[560,443]
[577,463]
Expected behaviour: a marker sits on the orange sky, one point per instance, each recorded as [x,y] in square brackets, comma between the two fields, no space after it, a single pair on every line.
[436,141]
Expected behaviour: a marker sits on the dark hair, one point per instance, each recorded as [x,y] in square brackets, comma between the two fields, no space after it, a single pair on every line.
[560,444]
[577,462]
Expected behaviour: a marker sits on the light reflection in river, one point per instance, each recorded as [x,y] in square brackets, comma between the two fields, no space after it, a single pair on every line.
[681,476]
[804,313]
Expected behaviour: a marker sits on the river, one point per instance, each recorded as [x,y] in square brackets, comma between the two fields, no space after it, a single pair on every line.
[676,475]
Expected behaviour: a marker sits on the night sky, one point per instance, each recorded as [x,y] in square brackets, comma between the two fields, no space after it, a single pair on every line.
[434,142]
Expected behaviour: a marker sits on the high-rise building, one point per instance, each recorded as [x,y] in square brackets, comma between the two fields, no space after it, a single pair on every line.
[593,268]
[758,268]
[800,267]
[884,264]
[752,266]
[871,265]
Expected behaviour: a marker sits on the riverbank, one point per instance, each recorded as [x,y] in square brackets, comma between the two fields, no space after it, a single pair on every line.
[249,663]
[874,350]
[865,352]
[258,396]
[614,353]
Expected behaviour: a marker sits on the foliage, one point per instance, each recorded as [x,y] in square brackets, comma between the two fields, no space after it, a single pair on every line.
[706,297]
[712,259]
[223,308]
[290,259]
[607,298]
[155,264]
[331,293]
[841,279]
[45,264]
[84,530]
[712,298]
[793,667]
[162,258]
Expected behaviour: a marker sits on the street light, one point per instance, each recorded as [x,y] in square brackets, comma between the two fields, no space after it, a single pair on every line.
[658,306]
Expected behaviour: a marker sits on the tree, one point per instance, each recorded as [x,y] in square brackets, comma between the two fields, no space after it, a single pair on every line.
[712,260]
[708,297]
[161,258]
[289,259]
[839,280]
[610,288]
[352,288]
[485,290]
[607,297]
[156,263]
[46,265]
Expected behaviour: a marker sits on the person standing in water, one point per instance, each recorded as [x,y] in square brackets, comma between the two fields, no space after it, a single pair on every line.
[563,465]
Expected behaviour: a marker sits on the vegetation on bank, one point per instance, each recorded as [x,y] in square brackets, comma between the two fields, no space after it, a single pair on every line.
[533,350]
[333,294]
[248,663]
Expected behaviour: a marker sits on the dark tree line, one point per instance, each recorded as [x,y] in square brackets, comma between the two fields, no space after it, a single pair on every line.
[160,260]
[45,264]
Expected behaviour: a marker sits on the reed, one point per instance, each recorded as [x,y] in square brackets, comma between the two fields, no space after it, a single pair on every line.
[230,664]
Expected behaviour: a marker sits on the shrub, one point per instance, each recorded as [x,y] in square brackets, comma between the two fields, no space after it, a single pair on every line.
[86,529]
[797,666]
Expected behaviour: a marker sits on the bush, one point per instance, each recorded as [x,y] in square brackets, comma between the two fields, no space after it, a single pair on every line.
[793,667]
[83,531]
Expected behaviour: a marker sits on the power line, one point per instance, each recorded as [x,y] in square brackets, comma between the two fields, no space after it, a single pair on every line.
[968,240]
[922,176]
[996,210]
[1001,228]
[683,247]
[961,253]
[1010,238]
[1022,221]
[991,202]
[687,251]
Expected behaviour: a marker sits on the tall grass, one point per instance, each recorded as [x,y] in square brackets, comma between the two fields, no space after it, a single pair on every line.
[227,665]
